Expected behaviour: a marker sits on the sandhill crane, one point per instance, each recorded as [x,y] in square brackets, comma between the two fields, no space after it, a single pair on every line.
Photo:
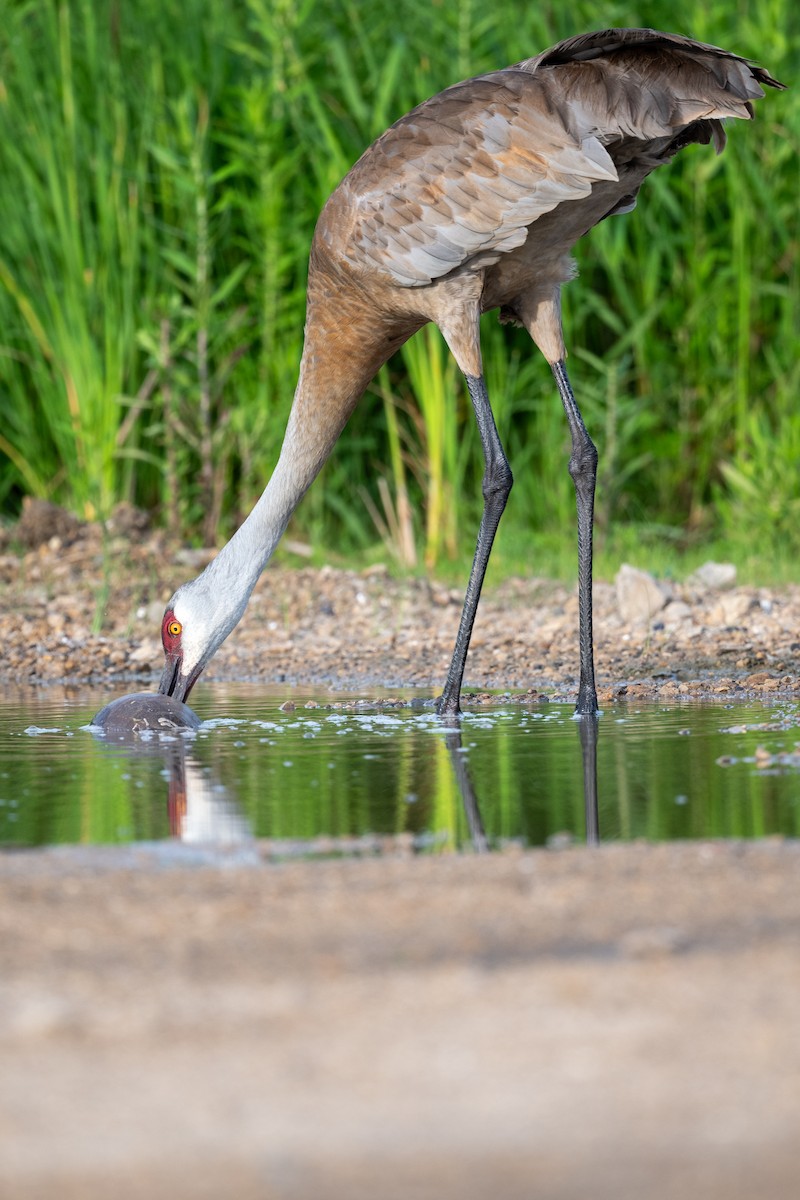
[470,202]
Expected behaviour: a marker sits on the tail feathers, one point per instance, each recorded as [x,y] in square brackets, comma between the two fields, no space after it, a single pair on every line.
[644,84]
[609,42]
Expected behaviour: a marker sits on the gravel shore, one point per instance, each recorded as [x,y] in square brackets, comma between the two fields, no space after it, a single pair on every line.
[83,608]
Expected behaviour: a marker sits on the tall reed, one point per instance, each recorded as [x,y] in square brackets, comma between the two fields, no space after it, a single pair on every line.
[162,170]
[73,256]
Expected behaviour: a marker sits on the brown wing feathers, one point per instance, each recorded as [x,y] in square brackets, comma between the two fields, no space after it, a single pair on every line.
[460,179]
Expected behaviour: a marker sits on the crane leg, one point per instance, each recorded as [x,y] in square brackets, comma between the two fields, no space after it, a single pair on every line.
[497,481]
[583,469]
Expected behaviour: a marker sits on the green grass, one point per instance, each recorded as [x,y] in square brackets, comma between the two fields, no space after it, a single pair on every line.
[162,172]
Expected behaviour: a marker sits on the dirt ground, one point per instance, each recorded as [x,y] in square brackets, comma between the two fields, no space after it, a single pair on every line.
[78,605]
[552,1024]
[612,1023]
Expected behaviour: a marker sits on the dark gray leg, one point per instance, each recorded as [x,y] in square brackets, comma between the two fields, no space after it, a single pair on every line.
[497,481]
[583,469]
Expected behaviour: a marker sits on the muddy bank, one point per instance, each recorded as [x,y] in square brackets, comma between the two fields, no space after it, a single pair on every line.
[81,605]
[616,1024]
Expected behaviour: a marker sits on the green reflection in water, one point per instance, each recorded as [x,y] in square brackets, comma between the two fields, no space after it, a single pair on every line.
[253,770]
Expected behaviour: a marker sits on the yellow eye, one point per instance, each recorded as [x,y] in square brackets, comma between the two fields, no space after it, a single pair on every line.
[175,628]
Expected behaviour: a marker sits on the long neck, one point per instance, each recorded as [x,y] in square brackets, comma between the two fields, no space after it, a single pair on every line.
[342,352]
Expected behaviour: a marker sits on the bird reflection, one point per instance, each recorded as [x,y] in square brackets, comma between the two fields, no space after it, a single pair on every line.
[480,842]
[200,810]
[589,732]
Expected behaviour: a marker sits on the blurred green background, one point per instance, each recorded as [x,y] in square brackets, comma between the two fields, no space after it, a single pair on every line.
[161,170]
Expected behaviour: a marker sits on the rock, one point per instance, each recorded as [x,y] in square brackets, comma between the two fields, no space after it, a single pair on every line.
[142,712]
[676,612]
[714,575]
[148,651]
[42,521]
[639,595]
[152,613]
[731,609]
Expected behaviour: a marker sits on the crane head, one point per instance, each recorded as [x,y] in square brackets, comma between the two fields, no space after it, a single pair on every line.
[190,634]
[182,662]
[196,622]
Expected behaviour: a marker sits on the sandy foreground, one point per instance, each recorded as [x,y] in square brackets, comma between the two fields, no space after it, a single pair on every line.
[619,1022]
[611,1023]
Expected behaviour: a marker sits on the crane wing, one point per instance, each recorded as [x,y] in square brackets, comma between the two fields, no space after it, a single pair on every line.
[459,180]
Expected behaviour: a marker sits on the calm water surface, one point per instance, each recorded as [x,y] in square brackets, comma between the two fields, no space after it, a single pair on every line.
[334,772]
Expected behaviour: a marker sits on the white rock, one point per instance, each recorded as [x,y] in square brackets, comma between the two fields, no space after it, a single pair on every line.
[148,651]
[731,609]
[714,575]
[639,595]
[151,613]
[676,612]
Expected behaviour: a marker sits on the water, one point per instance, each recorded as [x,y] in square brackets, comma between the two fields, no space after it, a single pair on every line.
[333,779]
